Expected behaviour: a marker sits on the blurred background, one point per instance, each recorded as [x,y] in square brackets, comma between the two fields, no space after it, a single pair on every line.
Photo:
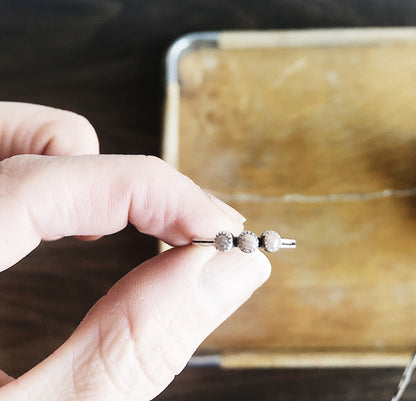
[105,60]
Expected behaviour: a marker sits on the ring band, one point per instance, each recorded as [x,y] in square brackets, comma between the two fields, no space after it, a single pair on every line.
[247,241]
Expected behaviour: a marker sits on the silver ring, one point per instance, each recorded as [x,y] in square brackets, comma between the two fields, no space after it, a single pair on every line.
[247,241]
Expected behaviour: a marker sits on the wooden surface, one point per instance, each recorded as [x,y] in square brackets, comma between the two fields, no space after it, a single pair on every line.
[317,143]
[103,59]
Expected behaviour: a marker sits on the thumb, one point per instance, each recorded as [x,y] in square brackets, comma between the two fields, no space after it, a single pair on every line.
[141,334]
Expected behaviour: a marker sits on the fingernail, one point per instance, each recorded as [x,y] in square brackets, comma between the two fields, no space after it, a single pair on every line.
[229,279]
[227,209]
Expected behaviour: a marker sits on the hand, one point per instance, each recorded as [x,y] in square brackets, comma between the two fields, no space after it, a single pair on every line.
[141,334]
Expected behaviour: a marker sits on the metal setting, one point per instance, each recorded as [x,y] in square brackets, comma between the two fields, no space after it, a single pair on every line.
[247,241]
[270,241]
[405,379]
[224,241]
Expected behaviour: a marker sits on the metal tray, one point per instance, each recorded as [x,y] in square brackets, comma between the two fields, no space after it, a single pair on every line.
[358,309]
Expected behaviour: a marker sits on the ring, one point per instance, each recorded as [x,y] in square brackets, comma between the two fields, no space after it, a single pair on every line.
[247,241]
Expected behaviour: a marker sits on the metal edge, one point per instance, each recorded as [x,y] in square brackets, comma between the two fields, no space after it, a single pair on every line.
[184,44]
[170,139]
[294,38]
[312,359]
[181,46]
[327,359]
[328,37]
[205,361]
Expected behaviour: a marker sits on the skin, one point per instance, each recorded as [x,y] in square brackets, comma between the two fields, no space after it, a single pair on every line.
[141,334]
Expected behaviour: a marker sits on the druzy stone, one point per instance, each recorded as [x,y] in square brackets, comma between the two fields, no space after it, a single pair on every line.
[271,241]
[248,242]
[223,241]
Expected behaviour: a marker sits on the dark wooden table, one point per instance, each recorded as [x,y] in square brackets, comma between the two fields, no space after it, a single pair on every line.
[104,59]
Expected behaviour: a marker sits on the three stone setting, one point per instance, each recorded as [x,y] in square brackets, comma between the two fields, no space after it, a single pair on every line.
[247,241]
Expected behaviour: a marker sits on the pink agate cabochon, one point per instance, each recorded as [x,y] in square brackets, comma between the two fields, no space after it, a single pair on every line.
[248,242]
[271,241]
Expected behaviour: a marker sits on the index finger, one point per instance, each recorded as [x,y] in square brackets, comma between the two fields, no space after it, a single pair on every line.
[45,197]
[35,129]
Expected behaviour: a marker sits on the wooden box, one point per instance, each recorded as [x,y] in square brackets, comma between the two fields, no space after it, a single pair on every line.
[313,134]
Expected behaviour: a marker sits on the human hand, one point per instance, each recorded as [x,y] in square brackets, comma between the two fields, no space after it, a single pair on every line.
[142,333]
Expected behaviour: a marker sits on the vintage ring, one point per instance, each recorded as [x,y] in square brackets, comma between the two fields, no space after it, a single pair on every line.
[247,241]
